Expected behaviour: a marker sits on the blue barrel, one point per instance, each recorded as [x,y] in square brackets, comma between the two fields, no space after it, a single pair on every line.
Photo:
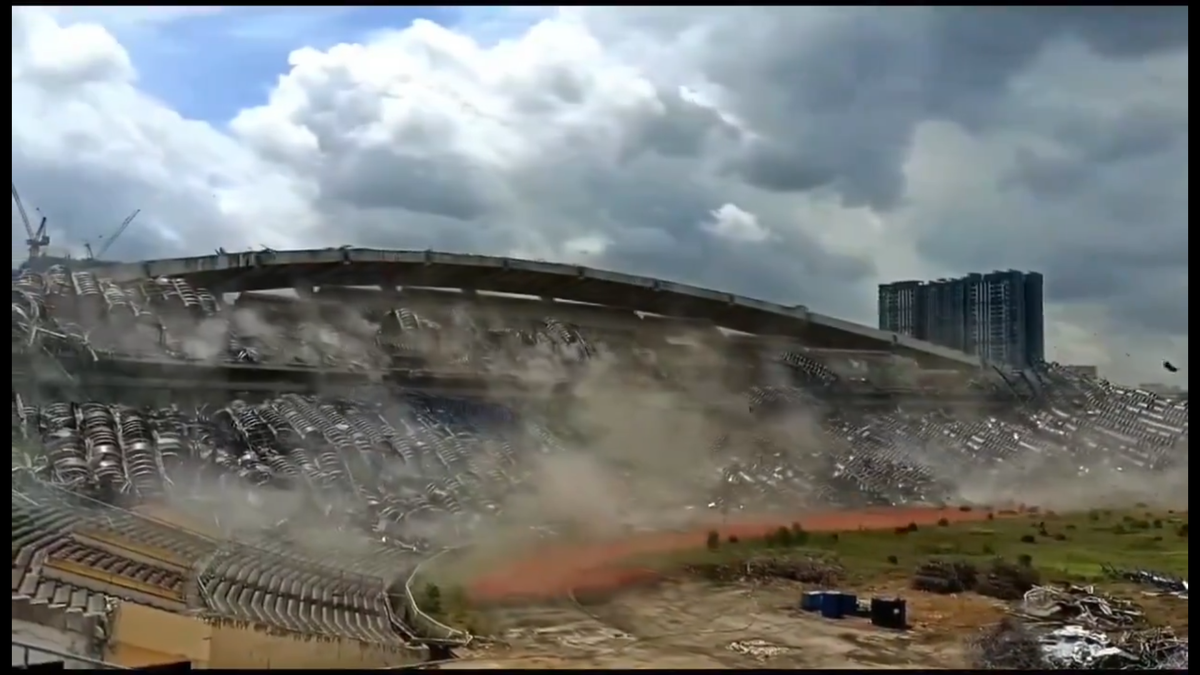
[811,601]
[849,604]
[833,606]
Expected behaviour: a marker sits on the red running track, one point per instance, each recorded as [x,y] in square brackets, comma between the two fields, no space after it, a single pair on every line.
[556,571]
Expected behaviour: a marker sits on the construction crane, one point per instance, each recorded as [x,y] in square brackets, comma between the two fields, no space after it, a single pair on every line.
[38,240]
[107,243]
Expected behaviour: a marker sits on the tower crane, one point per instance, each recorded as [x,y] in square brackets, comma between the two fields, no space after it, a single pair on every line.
[37,240]
[112,238]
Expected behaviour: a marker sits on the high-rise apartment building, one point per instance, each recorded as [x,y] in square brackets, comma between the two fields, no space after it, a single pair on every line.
[998,316]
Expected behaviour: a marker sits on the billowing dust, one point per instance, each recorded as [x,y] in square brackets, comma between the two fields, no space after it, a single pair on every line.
[634,428]
[551,571]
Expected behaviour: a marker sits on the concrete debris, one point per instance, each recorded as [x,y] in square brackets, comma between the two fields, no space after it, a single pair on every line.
[1007,645]
[1075,648]
[1080,606]
[758,649]
[1014,645]
[1164,584]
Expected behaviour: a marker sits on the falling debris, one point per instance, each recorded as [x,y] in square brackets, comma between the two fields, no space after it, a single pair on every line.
[1170,367]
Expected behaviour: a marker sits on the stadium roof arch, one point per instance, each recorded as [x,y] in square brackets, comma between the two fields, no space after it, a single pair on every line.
[268,269]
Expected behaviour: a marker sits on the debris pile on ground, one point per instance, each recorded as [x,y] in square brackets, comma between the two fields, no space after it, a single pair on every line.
[1002,580]
[1079,606]
[1155,649]
[1177,660]
[808,570]
[945,576]
[1007,645]
[1007,581]
[1013,645]
[1164,584]
[758,649]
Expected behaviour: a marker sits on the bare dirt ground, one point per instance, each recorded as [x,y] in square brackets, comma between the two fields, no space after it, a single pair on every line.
[645,622]
[558,571]
[689,624]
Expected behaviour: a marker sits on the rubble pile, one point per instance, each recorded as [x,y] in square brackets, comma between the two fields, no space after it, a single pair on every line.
[945,576]
[1008,645]
[1002,580]
[1163,584]
[1079,606]
[807,570]
[1014,645]
[1007,581]
[1075,628]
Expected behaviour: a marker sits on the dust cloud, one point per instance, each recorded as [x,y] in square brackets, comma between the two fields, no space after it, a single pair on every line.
[627,450]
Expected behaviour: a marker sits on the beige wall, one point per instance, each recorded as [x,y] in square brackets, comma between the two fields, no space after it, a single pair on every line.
[144,636]
[246,648]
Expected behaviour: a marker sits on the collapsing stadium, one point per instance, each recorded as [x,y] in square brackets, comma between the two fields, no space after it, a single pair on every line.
[211,473]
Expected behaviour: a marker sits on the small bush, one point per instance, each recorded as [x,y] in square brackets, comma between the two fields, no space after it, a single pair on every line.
[1025,560]
[1093,515]
[431,600]
[1059,536]
[733,539]
[799,535]
[912,527]
[991,516]
[1070,526]
[965,508]
[1028,539]
[714,540]
[1140,524]
[835,537]
[988,549]
[901,531]
[1182,531]
[893,560]
[1119,529]
[783,537]
[1157,524]
[942,522]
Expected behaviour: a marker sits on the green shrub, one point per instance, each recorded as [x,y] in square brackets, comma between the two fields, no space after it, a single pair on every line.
[714,540]
[431,600]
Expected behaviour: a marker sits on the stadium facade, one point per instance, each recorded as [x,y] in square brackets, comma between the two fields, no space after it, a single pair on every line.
[389,396]
[998,316]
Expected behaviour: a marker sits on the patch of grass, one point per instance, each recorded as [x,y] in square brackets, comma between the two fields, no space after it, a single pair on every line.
[1062,546]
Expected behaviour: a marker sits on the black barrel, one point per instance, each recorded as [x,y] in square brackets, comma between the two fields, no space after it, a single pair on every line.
[889,613]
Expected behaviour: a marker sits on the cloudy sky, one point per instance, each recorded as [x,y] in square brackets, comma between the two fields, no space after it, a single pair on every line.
[801,155]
